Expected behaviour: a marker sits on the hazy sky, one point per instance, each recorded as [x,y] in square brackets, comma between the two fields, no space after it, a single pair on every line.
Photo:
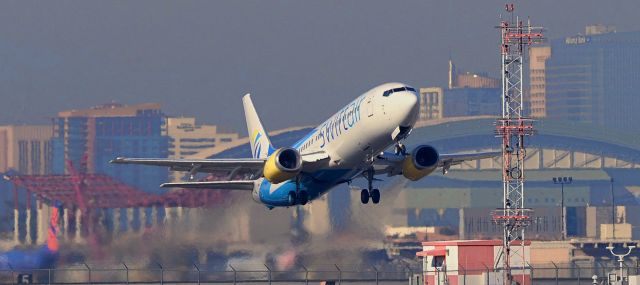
[302,60]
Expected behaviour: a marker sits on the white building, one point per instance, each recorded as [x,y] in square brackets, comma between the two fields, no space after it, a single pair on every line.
[187,138]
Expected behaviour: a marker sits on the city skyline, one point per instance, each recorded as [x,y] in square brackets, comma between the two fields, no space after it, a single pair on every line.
[197,59]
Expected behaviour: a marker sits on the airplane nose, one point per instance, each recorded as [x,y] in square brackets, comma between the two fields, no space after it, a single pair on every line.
[408,106]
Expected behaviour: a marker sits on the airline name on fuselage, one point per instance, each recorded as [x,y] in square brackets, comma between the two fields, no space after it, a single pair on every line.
[341,122]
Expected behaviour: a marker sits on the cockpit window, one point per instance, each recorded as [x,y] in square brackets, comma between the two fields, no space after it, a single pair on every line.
[391,91]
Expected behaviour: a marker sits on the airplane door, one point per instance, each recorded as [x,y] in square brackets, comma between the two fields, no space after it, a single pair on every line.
[369,106]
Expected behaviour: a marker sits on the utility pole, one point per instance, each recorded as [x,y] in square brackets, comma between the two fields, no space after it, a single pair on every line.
[613,212]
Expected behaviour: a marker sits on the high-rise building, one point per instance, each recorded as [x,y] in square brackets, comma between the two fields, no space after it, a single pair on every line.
[590,78]
[186,138]
[26,149]
[469,94]
[436,103]
[431,103]
[538,56]
[90,138]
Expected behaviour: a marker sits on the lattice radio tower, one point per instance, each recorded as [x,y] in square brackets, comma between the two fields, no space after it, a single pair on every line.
[512,128]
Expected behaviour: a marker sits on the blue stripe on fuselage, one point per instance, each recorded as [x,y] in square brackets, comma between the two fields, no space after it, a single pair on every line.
[303,139]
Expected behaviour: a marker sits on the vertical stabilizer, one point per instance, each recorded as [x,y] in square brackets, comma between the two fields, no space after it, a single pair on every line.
[260,144]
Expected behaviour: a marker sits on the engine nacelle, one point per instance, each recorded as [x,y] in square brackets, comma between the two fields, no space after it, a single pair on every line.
[282,165]
[421,162]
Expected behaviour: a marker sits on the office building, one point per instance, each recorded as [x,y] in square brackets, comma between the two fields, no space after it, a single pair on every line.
[431,103]
[90,138]
[26,149]
[591,78]
[459,102]
[469,94]
[186,138]
[437,103]
[536,98]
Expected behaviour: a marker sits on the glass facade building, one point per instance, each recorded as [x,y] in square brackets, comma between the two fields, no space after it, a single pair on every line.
[595,79]
[91,138]
[471,102]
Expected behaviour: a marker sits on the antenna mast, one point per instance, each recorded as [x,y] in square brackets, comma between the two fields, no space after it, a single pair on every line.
[512,128]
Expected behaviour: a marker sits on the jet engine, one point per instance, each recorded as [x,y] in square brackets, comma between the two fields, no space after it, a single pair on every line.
[282,165]
[421,162]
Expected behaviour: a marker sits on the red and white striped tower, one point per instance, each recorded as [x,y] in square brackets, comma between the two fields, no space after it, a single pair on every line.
[512,128]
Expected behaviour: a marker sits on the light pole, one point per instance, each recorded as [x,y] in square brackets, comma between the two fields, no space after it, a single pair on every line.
[613,212]
[621,257]
[562,181]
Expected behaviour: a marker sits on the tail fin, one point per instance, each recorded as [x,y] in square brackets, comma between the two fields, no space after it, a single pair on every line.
[260,144]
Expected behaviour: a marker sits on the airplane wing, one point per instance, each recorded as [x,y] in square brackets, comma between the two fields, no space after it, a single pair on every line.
[226,185]
[254,165]
[457,158]
[198,165]
[391,164]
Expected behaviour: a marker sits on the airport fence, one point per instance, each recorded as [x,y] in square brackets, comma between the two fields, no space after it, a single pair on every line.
[552,274]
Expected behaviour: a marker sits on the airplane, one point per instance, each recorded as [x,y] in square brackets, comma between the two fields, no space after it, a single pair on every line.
[349,145]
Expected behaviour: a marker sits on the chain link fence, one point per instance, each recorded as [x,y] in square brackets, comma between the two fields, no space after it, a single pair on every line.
[552,274]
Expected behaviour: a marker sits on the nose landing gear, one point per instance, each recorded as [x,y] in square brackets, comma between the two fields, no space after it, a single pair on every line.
[364,196]
[374,194]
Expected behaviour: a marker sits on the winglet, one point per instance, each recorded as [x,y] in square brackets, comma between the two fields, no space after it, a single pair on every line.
[118,159]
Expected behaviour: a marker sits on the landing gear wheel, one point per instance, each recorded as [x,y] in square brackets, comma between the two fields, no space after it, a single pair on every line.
[292,198]
[303,197]
[375,196]
[364,196]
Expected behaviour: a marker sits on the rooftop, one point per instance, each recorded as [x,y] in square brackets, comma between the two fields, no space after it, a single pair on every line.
[110,110]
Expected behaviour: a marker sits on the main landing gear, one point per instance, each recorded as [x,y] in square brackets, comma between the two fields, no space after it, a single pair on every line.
[299,197]
[374,194]
[302,198]
[400,149]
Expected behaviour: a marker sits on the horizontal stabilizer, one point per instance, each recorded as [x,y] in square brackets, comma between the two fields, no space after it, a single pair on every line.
[222,185]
